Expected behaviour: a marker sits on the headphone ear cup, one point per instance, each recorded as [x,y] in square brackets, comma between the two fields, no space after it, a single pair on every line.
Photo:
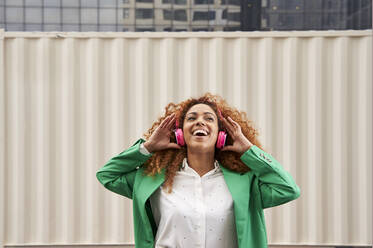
[222,137]
[179,137]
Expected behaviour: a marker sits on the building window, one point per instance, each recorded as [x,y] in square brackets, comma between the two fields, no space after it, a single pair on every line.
[107,16]
[180,15]
[179,2]
[234,16]
[167,14]
[231,2]
[108,3]
[203,15]
[89,16]
[224,15]
[143,29]
[204,29]
[203,1]
[144,13]
[70,16]
[14,15]
[36,3]
[233,28]
[52,15]
[126,13]
[70,3]
[51,3]
[84,3]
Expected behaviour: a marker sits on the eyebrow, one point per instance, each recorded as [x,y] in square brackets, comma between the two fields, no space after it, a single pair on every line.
[194,113]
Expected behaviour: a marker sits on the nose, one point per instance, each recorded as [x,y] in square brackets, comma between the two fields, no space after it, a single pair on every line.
[200,122]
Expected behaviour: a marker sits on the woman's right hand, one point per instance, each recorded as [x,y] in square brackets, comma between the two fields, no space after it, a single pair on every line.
[160,138]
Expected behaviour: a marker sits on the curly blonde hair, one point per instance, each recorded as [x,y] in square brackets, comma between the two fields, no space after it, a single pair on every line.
[171,159]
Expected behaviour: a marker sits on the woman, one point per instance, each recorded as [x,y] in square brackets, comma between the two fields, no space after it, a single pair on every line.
[186,191]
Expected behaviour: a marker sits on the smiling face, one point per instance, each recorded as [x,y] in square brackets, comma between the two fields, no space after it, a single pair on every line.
[200,128]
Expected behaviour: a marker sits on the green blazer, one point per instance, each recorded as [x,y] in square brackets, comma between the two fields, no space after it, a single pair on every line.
[266,185]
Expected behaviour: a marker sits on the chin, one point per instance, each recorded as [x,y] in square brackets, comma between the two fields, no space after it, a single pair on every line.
[201,145]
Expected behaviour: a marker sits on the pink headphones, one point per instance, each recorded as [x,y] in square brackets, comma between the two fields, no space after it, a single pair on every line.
[222,136]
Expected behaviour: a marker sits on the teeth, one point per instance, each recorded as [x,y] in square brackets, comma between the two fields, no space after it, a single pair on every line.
[199,131]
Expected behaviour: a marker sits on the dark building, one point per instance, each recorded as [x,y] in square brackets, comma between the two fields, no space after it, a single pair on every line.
[317,14]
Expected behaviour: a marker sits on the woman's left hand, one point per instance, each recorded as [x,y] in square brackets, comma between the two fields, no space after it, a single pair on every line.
[240,143]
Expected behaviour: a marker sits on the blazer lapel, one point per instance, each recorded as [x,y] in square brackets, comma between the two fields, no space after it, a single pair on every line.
[149,184]
[239,186]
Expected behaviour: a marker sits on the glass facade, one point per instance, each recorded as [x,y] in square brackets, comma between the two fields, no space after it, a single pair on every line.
[184,15]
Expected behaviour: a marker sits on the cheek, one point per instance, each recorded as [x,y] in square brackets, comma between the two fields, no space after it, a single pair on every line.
[186,130]
[215,135]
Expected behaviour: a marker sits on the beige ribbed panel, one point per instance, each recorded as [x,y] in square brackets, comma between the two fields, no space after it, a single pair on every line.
[2,139]
[71,101]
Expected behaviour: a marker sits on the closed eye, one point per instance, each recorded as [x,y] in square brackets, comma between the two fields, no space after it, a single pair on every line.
[193,118]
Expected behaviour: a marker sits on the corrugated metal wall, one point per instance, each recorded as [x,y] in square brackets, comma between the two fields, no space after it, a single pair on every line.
[71,101]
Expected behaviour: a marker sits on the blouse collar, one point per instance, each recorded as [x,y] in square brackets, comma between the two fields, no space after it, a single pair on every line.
[185,167]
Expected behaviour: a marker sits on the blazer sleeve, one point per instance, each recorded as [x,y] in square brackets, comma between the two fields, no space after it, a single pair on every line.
[118,174]
[275,186]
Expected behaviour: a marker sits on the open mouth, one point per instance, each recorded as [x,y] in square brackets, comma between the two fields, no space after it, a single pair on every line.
[200,133]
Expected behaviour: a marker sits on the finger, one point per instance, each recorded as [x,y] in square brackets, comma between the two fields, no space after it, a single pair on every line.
[166,120]
[234,122]
[228,126]
[230,132]
[227,148]
[163,123]
[171,122]
[173,146]
[231,121]
[226,123]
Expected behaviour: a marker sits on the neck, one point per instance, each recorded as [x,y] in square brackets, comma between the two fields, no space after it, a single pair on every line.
[201,162]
